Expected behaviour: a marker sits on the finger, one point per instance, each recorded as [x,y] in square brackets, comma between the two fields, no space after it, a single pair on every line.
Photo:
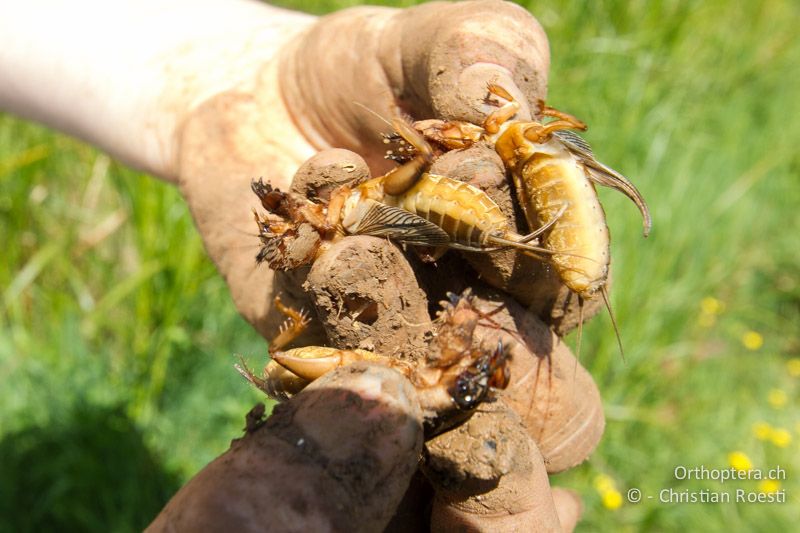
[556,397]
[326,170]
[489,476]
[330,67]
[222,150]
[431,61]
[441,57]
[568,506]
[336,457]
[367,296]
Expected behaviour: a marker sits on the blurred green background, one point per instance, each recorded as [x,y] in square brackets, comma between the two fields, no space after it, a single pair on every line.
[117,336]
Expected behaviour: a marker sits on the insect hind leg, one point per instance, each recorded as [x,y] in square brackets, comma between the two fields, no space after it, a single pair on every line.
[504,113]
[295,324]
[548,111]
[402,178]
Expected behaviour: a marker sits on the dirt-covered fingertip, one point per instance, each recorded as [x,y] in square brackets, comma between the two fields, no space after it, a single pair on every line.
[555,396]
[337,457]
[362,425]
[367,296]
[448,53]
[362,407]
[498,479]
[328,169]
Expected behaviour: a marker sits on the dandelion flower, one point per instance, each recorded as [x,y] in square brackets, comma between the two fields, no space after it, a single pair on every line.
[740,461]
[780,437]
[752,340]
[793,367]
[769,485]
[762,430]
[777,398]
[612,499]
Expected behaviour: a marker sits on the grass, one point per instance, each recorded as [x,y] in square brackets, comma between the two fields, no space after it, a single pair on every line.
[110,354]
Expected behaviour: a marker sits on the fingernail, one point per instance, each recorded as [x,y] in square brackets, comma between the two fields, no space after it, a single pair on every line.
[474,79]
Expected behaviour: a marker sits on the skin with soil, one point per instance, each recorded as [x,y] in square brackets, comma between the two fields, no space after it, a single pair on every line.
[486,473]
[237,99]
[327,170]
[367,294]
[430,61]
[333,459]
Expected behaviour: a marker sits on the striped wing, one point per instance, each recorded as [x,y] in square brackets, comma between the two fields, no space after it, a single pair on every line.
[603,175]
[400,225]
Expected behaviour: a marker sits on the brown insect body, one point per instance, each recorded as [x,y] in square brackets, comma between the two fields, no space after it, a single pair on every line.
[417,207]
[466,214]
[552,189]
[451,383]
[554,172]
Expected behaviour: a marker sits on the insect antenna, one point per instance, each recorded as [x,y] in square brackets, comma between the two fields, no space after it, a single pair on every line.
[579,340]
[374,113]
[532,251]
[494,324]
[604,292]
[242,368]
[240,231]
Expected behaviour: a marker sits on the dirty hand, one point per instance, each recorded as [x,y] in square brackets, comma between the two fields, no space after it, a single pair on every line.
[325,89]
[430,61]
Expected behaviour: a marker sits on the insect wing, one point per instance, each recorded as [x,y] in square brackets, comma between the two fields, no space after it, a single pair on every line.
[603,175]
[575,143]
[381,220]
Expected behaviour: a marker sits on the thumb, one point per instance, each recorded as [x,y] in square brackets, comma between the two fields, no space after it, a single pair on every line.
[337,456]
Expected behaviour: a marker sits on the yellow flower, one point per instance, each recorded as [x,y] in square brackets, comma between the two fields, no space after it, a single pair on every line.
[769,485]
[711,306]
[781,437]
[612,499]
[777,398]
[752,340]
[793,366]
[604,483]
[762,430]
[740,461]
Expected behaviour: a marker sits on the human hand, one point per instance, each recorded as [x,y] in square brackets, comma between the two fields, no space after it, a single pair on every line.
[433,60]
[213,104]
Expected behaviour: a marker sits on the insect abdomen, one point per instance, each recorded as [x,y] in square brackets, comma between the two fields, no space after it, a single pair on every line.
[549,184]
[464,212]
